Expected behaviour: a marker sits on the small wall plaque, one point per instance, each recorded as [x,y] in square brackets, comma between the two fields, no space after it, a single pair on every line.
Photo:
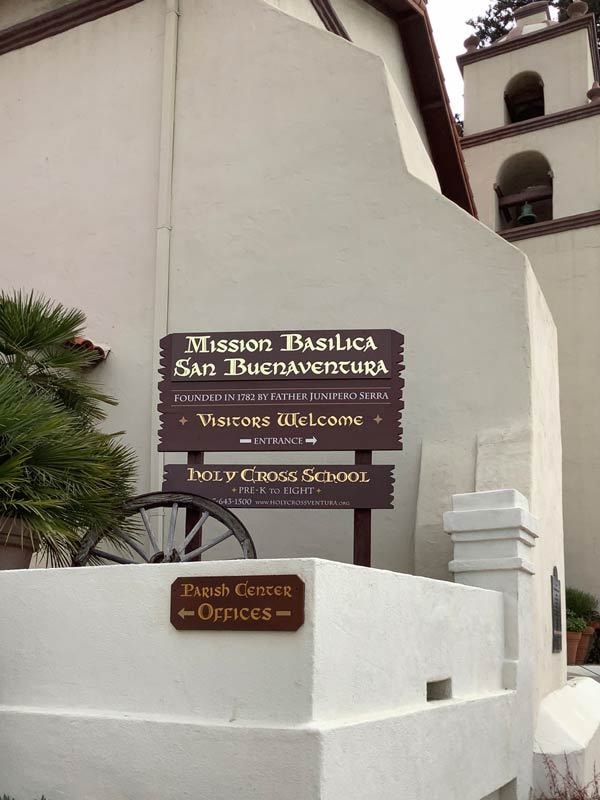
[557,634]
[238,603]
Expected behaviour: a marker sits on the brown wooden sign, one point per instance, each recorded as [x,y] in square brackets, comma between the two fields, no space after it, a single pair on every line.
[286,391]
[238,603]
[274,355]
[300,486]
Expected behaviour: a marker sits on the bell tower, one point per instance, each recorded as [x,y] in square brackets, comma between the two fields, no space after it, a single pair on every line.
[532,149]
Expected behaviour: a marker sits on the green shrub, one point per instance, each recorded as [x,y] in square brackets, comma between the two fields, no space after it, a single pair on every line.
[581,604]
[575,624]
[56,476]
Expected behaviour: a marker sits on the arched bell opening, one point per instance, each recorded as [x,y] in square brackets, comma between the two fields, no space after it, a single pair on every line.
[524,97]
[524,191]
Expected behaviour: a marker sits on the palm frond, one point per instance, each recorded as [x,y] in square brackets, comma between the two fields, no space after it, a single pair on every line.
[32,322]
[35,337]
[59,475]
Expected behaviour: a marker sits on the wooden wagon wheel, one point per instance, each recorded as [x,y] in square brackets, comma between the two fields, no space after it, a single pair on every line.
[164,552]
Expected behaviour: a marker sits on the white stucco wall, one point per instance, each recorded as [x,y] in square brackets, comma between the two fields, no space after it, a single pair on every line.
[573,152]
[487,79]
[568,733]
[546,485]
[103,697]
[415,152]
[378,33]
[305,680]
[374,31]
[295,204]
[301,9]
[566,265]
[250,235]
[79,137]
[503,457]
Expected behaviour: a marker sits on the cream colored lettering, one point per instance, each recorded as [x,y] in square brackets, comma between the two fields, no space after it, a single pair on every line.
[337,343]
[183,369]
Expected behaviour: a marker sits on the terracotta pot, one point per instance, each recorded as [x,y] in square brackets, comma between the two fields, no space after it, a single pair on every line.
[584,646]
[16,547]
[573,640]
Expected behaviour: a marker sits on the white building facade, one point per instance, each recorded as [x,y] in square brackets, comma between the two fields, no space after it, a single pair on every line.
[191,176]
[206,165]
[531,144]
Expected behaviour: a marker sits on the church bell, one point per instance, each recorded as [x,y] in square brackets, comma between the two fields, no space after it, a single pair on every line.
[526,217]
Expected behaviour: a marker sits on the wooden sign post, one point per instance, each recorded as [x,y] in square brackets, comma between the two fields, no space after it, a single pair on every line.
[362,520]
[285,391]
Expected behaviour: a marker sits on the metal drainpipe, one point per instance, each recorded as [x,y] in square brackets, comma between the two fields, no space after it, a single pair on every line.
[163,226]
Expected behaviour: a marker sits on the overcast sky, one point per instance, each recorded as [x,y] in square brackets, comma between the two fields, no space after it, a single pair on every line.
[448,20]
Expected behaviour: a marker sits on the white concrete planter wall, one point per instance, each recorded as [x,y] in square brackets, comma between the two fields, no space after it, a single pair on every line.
[102,698]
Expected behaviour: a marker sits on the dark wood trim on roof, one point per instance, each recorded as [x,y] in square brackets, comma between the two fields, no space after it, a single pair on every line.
[552,226]
[430,92]
[535,124]
[329,18]
[403,6]
[57,21]
[493,50]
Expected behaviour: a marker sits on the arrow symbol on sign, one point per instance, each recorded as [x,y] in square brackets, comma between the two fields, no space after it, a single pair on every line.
[245,441]
[311,441]
[183,613]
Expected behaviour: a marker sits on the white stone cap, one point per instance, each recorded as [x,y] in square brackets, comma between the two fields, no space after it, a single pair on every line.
[498,498]
[491,531]
[505,511]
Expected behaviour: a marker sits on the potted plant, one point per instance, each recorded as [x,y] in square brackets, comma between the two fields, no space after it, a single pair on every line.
[595,622]
[575,627]
[583,605]
[59,474]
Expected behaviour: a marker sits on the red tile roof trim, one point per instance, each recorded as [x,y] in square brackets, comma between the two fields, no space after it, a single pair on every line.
[81,343]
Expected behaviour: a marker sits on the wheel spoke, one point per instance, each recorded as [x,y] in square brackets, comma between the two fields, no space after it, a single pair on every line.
[134,546]
[146,521]
[110,556]
[172,524]
[193,532]
[152,545]
[199,550]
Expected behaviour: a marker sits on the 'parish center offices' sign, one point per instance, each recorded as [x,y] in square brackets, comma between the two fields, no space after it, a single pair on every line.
[310,390]
[238,603]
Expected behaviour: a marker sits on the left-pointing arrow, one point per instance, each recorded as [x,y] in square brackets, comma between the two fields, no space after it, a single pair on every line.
[183,613]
